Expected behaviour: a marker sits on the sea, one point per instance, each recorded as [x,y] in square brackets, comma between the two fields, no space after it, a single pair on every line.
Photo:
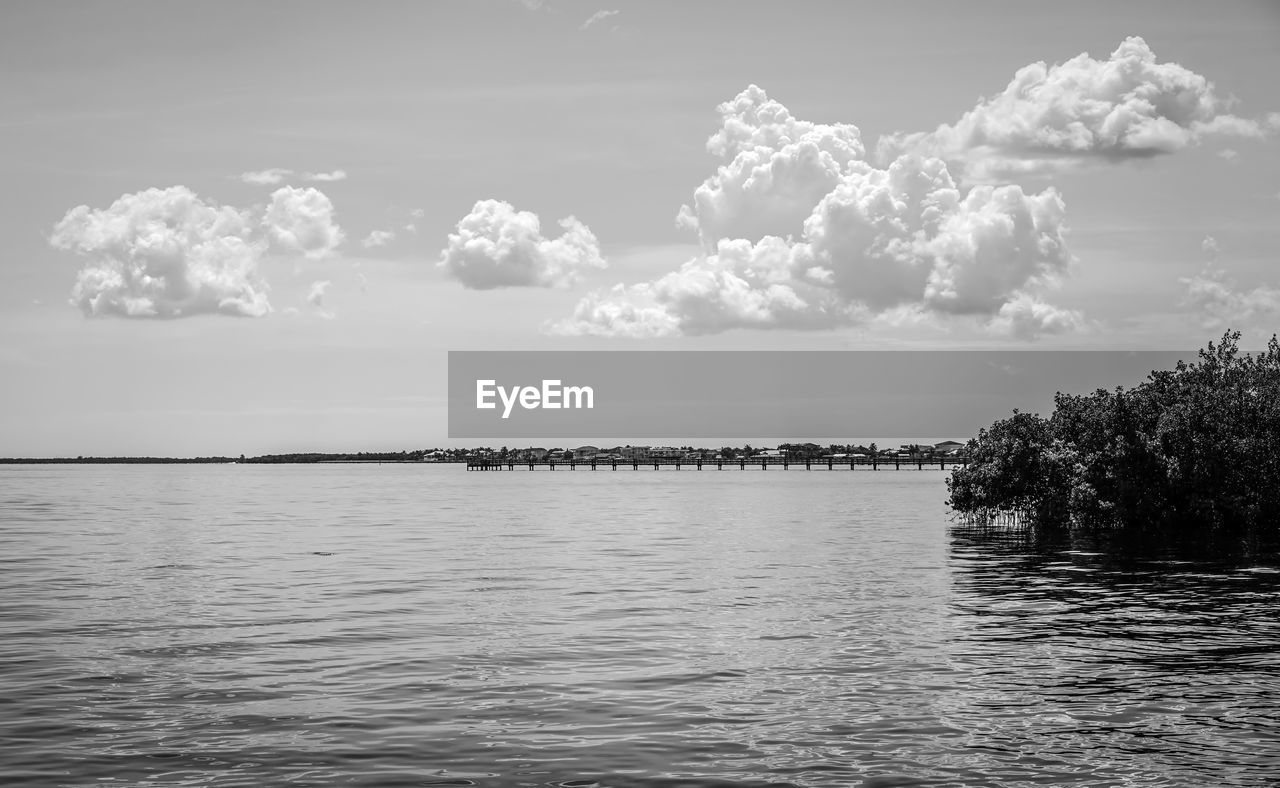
[421,625]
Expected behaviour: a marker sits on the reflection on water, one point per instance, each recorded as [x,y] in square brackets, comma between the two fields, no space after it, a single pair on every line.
[1151,657]
[393,625]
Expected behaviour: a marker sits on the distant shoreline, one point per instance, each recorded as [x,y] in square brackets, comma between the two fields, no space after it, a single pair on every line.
[200,461]
[792,451]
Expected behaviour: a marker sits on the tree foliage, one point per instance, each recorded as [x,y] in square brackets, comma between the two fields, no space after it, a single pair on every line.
[1198,444]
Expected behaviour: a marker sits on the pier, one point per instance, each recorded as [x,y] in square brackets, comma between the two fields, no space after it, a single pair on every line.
[760,463]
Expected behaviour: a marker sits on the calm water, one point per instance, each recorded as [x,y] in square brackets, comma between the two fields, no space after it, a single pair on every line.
[415,625]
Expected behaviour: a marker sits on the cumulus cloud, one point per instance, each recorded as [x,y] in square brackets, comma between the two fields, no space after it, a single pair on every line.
[498,246]
[598,17]
[800,230]
[869,243]
[775,170]
[164,253]
[301,220]
[1125,107]
[378,238]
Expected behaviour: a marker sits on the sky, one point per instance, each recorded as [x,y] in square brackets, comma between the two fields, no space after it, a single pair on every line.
[260,227]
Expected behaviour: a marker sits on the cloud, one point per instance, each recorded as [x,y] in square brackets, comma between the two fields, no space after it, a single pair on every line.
[869,243]
[269,177]
[800,231]
[1026,317]
[1229,154]
[497,246]
[301,220]
[776,169]
[1128,106]
[315,294]
[324,177]
[164,253]
[598,16]
[414,215]
[278,175]
[315,297]
[378,238]
[635,312]
[1218,301]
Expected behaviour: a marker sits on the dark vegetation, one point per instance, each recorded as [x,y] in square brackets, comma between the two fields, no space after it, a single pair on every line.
[1195,447]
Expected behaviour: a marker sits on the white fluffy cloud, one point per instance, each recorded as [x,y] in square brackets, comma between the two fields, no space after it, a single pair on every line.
[871,242]
[164,253]
[800,231]
[1127,106]
[776,168]
[301,220]
[498,246]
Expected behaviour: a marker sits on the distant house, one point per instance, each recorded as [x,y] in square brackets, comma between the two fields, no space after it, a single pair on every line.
[532,454]
[948,447]
[585,452]
[664,452]
[634,452]
[770,453]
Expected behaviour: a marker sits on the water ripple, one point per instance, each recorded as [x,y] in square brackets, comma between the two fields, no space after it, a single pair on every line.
[406,625]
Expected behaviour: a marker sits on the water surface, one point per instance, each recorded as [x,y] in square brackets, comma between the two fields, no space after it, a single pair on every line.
[388,625]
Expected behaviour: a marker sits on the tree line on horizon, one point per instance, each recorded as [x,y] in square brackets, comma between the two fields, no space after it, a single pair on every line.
[799,451]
